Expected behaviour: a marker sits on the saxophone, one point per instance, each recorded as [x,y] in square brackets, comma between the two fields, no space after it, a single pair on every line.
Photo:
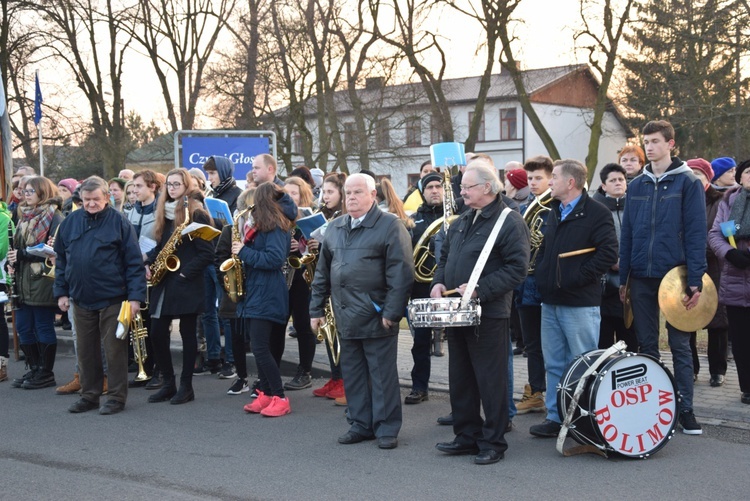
[234,272]
[329,333]
[167,260]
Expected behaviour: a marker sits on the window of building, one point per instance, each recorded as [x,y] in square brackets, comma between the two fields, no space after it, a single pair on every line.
[382,135]
[350,136]
[480,132]
[434,131]
[413,131]
[508,124]
[297,142]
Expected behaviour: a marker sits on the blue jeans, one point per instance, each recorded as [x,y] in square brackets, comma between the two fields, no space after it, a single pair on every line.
[36,324]
[567,331]
[210,319]
[644,297]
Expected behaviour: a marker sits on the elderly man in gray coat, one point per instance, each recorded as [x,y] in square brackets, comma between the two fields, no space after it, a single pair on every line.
[365,265]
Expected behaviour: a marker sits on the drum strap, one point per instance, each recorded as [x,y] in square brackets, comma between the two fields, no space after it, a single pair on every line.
[619,346]
[483,256]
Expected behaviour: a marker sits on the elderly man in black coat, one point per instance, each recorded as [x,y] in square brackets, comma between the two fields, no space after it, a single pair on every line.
[365,265]
[478,363]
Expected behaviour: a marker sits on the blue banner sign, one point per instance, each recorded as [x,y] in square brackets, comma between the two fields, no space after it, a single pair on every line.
[240,150]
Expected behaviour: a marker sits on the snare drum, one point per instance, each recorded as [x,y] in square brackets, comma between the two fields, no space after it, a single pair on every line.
[628,406]
[444,312]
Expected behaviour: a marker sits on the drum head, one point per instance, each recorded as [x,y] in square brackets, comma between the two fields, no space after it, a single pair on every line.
[634,402]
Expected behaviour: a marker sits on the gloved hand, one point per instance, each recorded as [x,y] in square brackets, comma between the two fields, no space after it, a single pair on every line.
[739,259]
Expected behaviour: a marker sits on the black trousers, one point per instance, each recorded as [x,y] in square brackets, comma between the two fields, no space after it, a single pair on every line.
[477,373]
[739,319]
[531,328]
[611,327]
[299,304]
[161,340]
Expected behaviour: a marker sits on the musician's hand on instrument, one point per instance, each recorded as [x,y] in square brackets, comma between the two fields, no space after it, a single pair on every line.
[63,303]
[51,241]
[622,294]
[12,255]
[462,288]
[52,260]
[387,323]
[312,245]
[316,323]
[295,245]
[437,291]
[691,302]
[148,272]
[237,247]
[135,307]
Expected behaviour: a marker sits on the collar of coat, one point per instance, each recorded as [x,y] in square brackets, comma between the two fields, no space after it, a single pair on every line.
[370,218]
[578,211]
[488,210]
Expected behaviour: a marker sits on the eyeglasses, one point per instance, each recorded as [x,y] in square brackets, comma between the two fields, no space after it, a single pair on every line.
[174,185]
[29,192]
[467,188]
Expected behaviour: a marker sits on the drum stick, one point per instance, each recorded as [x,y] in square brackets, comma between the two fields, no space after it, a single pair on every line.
[448,293]
[577,252]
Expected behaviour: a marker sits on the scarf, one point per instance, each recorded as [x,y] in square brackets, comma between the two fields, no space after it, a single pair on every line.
[740,213]
[227,183]
[169,209]
[35,223]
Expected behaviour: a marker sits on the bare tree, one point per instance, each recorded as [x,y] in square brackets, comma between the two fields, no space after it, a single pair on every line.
[179,36]
[603,43]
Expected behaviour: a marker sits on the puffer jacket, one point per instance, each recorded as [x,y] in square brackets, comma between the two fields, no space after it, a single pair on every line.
[734,289]
[266,293]
[143,218]
[664,225]
[368,272]
[506,266]
[576,280]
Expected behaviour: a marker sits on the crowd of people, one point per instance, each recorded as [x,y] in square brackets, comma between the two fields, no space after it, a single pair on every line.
[554,264]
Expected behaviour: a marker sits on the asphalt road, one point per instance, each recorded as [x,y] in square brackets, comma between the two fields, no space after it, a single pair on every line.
[211,449]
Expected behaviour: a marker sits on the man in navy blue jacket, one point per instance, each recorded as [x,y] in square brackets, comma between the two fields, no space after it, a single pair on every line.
[663,226]
[99,265]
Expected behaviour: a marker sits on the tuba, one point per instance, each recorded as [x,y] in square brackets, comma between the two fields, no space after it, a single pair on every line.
[138,335]
[232,268]
[329,333]
[534,220]
[423,273]
[167,260]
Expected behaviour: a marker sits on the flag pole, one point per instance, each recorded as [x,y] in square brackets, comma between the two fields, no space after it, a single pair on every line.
[38,116]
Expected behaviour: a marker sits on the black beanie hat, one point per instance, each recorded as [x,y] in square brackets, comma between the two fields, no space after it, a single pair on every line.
[432,176]
[742,166]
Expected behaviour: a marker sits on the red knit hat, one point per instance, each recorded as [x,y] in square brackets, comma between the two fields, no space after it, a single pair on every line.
[518,178]
[703,166]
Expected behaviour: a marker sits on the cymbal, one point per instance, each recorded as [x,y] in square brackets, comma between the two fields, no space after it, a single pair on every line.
[627,306]
[673,288]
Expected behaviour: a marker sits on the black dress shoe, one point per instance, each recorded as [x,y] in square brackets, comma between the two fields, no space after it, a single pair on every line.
[83,405]
[745,398]
[416,397]
[488,456]
[716,380]
[446,420]
[387,442]
[352,437]
[111,407]
[547,429]
[456,449]
[137,384]
[509,426]
[155,383]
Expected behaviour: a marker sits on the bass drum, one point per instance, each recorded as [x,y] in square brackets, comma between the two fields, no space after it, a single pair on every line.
[628,406]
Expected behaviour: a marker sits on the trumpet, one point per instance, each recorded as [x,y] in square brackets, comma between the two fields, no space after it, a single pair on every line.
[138,335]
[328,332]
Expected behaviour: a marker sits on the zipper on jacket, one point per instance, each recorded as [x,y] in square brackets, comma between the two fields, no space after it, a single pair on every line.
[653,228]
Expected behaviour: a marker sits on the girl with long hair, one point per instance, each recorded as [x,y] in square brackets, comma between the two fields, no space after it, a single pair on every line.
[38,219]
[263,250]
[175,295]
[333,206]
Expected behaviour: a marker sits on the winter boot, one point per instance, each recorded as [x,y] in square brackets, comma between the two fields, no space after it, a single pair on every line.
[185,394]
[44,377]
[31,352]
[166,392]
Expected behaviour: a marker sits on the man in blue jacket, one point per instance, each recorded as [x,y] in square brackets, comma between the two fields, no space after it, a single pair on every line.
[663,226]
[99,265]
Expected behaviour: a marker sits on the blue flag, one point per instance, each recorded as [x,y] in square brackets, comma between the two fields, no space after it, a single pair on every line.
[38,102]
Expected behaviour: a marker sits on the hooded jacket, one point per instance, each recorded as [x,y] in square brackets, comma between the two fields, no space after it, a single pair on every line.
[143,217]
[664,225]
[227,189]
[266,294]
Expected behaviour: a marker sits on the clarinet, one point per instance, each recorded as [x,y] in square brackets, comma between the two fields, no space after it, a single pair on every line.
[12,283]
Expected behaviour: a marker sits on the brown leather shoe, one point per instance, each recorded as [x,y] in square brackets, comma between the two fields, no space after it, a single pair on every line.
[340,401]
[73,386]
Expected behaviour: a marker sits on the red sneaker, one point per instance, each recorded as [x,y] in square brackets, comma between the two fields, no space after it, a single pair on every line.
[337,390]
[259,403]
[278,407]
[323,390]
